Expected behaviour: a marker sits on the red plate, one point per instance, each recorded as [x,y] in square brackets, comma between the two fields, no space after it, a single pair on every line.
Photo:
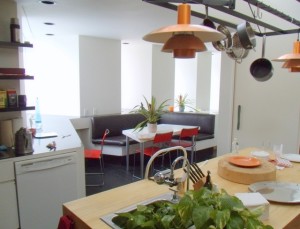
[244,161]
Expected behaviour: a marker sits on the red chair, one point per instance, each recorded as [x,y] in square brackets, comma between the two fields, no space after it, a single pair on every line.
[186,140]
[96,154]
[160,141]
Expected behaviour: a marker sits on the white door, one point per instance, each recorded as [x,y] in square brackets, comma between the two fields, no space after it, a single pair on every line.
[269,110]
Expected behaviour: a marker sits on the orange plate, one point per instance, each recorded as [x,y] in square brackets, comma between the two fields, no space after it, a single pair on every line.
[244,161]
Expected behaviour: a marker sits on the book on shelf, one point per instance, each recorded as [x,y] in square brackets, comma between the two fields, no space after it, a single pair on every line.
[12,71]
[3,99]
[12,98]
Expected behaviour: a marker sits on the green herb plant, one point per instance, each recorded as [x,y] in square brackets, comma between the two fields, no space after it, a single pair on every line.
[203,209]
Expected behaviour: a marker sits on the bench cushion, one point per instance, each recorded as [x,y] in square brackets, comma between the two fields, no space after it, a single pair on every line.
[114,140]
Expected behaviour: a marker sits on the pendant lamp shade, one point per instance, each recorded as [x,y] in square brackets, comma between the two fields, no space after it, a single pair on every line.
[184,46]
[291,60]
[184,39]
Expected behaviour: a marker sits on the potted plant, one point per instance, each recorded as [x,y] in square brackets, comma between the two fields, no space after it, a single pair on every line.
[152,112]
[182,102]
[197,209]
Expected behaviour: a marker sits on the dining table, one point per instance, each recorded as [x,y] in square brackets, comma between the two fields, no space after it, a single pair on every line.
[143,136]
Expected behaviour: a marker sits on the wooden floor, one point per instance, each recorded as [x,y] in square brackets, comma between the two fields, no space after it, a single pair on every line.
[116,174]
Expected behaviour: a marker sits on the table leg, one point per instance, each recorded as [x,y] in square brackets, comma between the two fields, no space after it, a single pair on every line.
[127,153]
[142,145]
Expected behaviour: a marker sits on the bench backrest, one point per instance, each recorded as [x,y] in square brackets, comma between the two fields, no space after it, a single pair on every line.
[115,123]
[205,121]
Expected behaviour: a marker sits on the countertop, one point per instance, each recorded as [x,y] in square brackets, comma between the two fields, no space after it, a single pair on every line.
[86,212]
[66,139]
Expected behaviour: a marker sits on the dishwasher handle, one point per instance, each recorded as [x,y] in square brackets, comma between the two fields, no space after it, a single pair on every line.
[45,164]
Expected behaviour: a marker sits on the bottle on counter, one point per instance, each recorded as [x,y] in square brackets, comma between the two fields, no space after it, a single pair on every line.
[14,30]
[235,146]
[38,117]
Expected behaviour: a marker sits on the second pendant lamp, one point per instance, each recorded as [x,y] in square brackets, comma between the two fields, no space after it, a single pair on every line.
[291,60]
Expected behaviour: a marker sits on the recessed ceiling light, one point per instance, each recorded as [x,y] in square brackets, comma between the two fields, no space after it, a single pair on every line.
[48,2]
[48,23]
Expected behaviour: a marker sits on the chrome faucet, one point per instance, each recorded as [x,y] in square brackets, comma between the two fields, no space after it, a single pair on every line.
[167,176]
[162,151]
[171,180]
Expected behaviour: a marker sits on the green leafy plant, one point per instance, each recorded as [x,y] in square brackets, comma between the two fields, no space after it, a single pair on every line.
[203,209]
[151,111]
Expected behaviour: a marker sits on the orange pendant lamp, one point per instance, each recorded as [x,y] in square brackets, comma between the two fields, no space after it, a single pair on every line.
[184,39]
[292,60]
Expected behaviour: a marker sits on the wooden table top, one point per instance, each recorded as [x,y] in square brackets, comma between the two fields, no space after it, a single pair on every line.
[86,212]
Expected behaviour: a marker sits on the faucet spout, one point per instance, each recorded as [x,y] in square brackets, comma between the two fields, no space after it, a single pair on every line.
[185,163]
[162,151]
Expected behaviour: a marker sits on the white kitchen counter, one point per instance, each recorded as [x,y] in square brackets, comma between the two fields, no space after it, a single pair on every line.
[66,140]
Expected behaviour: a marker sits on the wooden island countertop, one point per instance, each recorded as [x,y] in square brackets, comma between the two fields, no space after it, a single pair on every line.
[86,212]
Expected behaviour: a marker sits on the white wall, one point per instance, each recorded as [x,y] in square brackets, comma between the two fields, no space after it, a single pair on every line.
[204,77]
[100,75]
[224,118]
[163,72]
[136,73]
[215,81]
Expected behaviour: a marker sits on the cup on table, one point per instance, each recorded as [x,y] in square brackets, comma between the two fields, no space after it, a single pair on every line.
[278,150]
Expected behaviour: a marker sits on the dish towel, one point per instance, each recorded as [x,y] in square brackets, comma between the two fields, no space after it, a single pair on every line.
[65,223]
[281,163]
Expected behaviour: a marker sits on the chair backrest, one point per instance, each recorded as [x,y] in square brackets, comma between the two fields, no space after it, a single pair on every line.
[163,137]
[106,132]
[189,132]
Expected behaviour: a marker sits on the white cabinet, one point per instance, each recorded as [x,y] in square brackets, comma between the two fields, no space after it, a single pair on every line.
[8,200]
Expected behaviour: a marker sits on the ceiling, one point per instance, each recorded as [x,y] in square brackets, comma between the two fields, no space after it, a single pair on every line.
[130,20]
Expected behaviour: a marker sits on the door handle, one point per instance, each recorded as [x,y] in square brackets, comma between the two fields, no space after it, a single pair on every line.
[239,117]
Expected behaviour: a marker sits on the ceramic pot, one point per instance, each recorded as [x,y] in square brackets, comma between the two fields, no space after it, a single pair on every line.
[152,127]
[181,108]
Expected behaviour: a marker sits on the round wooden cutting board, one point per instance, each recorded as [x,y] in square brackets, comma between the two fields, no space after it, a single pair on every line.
[266,171]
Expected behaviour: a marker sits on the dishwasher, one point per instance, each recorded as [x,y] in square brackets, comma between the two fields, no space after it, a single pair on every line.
[43,185]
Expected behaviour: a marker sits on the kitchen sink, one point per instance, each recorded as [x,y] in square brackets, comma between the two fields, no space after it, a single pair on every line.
[108,218]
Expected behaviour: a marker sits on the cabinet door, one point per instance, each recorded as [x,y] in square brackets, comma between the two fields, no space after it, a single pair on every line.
[8,203]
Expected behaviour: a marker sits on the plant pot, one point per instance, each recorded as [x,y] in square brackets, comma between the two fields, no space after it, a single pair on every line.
[181,108]
[152,127]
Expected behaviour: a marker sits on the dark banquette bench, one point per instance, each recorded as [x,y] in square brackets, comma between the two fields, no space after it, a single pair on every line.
[115,123]
[115,142]
[206,122]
